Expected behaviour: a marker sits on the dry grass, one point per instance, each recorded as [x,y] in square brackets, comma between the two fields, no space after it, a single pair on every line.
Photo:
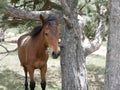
[12,76]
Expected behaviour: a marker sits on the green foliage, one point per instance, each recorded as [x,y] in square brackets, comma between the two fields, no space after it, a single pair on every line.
[90,9]
[2,15]
[26,27]
[2,5]
[89,29]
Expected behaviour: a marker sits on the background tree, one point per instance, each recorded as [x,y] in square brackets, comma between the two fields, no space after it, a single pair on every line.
[112,77]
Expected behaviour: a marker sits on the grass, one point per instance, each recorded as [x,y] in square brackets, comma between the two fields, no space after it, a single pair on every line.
[95,64]
[12,76]
[96,60]
[10,80]
[95,77]
[96,71]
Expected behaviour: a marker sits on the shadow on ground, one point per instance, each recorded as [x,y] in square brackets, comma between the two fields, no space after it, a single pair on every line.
[95,77]
[10,80]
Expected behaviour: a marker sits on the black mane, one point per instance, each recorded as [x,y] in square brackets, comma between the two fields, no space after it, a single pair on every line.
[36,31]
[50,21]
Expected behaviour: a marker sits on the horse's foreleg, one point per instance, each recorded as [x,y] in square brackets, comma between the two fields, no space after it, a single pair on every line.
[43,77]
[26,80]
[32,85]
[32,82]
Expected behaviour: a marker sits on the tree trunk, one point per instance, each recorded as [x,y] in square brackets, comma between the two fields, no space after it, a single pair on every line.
[112,77]
[72,60]
[72,54]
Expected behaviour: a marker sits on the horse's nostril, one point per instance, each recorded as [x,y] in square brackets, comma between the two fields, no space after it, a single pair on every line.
[55,55]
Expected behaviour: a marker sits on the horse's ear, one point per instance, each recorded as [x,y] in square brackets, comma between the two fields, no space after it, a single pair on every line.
[42,19]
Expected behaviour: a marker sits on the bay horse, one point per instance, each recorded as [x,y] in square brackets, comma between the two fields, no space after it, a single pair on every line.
[32,49]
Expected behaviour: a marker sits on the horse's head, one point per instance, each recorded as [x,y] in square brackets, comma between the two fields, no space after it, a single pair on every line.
[51,33]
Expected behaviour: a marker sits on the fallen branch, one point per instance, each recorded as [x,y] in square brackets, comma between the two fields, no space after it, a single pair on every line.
[4,56]
[7,51]
[4,48]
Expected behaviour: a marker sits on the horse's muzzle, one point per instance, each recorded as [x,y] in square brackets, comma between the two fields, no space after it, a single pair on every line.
[55,55]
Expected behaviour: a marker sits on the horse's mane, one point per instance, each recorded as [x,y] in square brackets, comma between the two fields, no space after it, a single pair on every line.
[50,20]
[36,31]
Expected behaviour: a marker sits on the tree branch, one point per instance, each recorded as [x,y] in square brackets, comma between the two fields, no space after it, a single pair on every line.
[65,7]
[67,12]
[26,14]
[49,5]
[91,46]
[68,22]
[94,45]
[81,7]
[4,48]
[56,6]
[7,51]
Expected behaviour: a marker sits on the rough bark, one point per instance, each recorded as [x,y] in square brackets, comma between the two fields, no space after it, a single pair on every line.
[72,55]
[112,77]
[72,60]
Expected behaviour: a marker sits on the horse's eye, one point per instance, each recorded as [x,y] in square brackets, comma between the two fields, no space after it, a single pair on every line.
[46,34]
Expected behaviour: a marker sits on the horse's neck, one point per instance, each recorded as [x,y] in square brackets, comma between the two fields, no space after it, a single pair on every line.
[40,44]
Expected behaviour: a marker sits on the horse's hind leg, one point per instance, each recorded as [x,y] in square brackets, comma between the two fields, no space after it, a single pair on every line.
[26,80]
[43,77]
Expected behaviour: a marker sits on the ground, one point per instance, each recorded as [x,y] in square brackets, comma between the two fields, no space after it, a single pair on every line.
[12,75]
